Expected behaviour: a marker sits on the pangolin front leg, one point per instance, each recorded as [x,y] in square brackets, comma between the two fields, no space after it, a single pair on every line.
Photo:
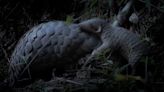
[105,46]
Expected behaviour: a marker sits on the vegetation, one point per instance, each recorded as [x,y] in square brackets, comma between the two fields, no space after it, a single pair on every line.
[105,74]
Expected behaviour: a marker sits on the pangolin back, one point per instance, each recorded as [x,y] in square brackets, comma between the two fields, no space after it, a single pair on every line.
[47,46]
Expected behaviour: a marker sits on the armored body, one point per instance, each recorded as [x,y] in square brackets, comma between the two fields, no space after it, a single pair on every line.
[47,46]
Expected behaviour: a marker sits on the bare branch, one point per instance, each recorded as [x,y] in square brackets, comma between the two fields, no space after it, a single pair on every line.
[123,14]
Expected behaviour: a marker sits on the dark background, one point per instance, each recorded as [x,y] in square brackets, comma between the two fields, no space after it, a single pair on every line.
[18,16]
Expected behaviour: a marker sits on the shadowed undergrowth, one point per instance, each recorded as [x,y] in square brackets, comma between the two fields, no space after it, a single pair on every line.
[105,75]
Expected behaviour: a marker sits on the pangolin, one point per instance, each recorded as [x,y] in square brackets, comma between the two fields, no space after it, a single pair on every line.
[49,45]
[116,38]
[56,44]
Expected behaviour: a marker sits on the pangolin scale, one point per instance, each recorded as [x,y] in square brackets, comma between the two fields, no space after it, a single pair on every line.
[47,46]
